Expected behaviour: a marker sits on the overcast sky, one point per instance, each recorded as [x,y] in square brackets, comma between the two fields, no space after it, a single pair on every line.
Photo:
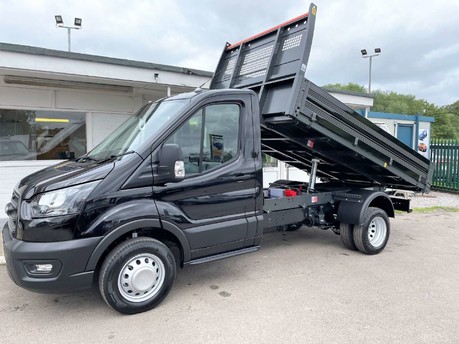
[419,39]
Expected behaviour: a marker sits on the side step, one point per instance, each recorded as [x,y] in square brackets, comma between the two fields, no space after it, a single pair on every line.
[223,255]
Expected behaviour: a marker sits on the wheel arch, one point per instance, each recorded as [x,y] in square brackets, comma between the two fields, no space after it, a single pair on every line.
[143,227]
[384,203]
[353,210]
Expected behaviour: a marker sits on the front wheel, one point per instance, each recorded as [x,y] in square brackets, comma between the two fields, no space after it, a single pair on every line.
[372,235]
[137,275]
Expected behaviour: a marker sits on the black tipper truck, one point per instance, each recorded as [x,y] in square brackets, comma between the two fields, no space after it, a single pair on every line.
[180,182]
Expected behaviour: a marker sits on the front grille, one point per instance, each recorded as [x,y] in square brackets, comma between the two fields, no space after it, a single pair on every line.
[13,214]
[15,199]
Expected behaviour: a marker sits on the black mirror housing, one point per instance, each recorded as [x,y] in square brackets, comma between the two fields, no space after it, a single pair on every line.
[170,166]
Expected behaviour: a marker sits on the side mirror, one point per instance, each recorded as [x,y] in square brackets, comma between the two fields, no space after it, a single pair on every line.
[171,167]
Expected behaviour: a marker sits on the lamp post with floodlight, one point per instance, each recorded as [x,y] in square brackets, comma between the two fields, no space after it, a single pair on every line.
[365,55]
[76,26]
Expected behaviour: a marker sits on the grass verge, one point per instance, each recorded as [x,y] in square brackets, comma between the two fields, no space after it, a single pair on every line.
[436,209]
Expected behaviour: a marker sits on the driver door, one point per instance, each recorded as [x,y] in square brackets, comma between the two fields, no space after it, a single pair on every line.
[211,203]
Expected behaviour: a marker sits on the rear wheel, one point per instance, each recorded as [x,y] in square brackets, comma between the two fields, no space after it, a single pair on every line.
[137,275]
[346,232]
[372,235]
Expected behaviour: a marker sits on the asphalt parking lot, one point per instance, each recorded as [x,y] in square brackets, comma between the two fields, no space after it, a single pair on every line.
[301,287]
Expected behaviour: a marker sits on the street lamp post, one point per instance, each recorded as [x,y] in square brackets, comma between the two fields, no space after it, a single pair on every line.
[76,26]
[365,55]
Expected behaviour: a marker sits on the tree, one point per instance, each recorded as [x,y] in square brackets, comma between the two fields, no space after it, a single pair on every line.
[442,127]
[453,108]
[387,101]
[393,102]
[348,87]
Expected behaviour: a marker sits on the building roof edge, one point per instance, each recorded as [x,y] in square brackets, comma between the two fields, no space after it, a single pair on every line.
[17,48]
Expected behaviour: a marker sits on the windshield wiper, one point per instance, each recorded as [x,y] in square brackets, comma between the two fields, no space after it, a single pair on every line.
[85,158]
[115,156]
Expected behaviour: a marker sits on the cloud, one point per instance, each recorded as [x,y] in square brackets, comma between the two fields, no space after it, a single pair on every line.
[418,39]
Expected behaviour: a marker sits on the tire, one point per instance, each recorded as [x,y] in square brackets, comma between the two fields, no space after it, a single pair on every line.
[137,275]
[372,235]
[176,252]
[346,232]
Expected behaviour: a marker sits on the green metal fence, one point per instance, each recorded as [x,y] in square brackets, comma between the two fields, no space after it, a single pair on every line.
[444,154]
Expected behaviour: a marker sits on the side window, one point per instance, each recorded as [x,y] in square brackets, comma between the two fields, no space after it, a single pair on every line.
[221,132]
[188,137]
[209,138]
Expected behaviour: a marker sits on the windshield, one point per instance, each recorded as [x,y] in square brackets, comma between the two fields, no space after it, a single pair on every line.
[138,129]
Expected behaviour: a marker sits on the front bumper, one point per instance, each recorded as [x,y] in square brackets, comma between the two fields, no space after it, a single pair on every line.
[69,259]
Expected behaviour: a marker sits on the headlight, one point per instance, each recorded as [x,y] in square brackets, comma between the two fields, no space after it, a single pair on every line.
[61,202]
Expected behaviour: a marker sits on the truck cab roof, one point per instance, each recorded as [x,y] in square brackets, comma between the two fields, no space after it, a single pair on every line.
[199,92]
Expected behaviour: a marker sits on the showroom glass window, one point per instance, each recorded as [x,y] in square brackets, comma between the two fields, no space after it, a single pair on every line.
[41,135]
